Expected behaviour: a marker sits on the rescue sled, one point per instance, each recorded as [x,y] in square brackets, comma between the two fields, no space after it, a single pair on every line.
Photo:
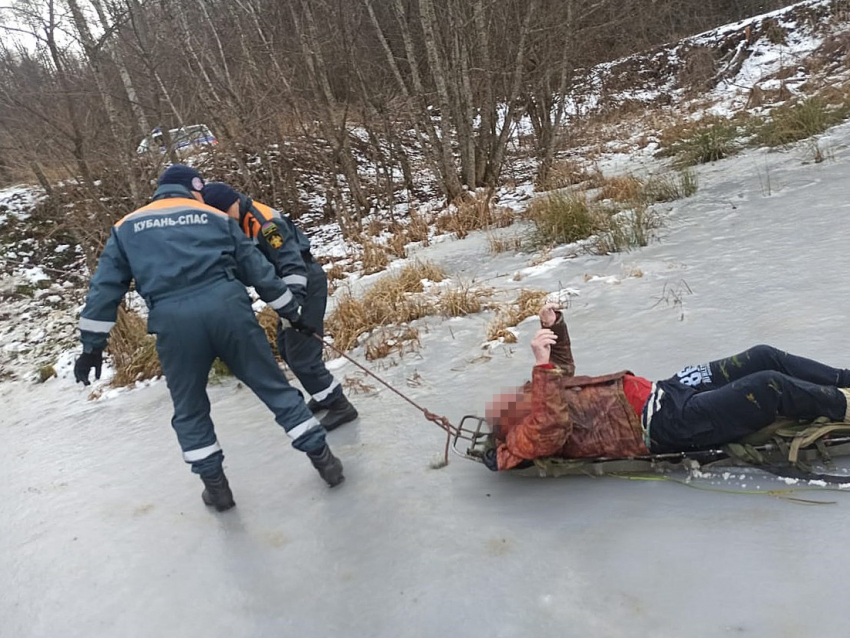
[785,448]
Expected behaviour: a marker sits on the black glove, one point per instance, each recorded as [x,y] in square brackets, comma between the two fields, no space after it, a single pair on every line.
[297,322]
[85,362]
[490,460]
[302,327]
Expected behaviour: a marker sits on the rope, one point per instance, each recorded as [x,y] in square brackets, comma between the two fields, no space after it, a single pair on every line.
[442,422]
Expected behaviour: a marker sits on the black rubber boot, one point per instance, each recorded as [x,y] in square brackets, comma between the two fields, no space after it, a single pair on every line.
[314,406]
[329,467]
[217,492]
[339,412]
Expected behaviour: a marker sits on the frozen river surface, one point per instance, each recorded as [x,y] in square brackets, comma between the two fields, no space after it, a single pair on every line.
[104,534]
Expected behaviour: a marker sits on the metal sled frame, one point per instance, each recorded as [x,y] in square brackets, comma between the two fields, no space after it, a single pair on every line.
[473,438]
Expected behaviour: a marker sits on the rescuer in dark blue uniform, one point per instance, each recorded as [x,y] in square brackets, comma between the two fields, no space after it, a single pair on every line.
[285,246]
[191,264]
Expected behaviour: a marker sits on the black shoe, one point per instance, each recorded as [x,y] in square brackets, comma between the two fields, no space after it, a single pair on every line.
[217,492]
[314,406]
[329,467]
[339,412]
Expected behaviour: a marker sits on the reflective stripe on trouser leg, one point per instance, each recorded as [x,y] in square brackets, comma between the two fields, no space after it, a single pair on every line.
[192,456]
[308,436]
[303,353]
[324,394]
[186,355]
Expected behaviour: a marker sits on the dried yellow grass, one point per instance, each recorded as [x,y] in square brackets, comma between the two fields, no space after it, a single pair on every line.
[463,300]
[374,257]
[623,188]
[389,301]
[269,320]
[417,229]
[397,243]
[562,174]
[392,339]
[527,304]
[133,350]
[335,272]
[504,244]
[476,212]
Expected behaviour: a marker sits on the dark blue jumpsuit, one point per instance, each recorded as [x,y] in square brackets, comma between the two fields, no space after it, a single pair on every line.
[284,245]
[191,263]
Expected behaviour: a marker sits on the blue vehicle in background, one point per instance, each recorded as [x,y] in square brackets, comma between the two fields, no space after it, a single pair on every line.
[185,140]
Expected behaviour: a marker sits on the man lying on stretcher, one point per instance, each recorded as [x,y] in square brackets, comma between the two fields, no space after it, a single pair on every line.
[621,415]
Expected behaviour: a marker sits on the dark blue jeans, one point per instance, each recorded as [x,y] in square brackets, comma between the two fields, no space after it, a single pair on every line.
[723,401]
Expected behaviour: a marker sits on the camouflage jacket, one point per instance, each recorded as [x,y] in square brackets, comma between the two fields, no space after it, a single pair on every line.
[574,417]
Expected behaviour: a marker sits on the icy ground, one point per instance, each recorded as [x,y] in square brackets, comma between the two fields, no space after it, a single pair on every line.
[104,533]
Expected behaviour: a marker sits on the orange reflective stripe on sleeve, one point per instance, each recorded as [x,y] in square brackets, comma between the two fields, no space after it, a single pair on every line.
[266,212]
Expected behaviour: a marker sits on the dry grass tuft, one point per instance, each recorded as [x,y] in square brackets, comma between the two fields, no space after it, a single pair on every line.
[269,321]
[133,350]
[45,373]
[707,140]
[374,257]
[474,213]
[396,244]
[799,120]
[391,300]
[562,218]
[504,244]
[527,304]
[417,229]
[463,300]
[623,188]
[335,272]
[562,174]
[392,339]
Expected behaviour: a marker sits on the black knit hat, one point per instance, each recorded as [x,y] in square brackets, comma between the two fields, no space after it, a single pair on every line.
[219,195]
[183,176]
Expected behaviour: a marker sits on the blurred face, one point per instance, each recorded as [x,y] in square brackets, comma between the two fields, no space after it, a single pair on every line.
[506,410]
